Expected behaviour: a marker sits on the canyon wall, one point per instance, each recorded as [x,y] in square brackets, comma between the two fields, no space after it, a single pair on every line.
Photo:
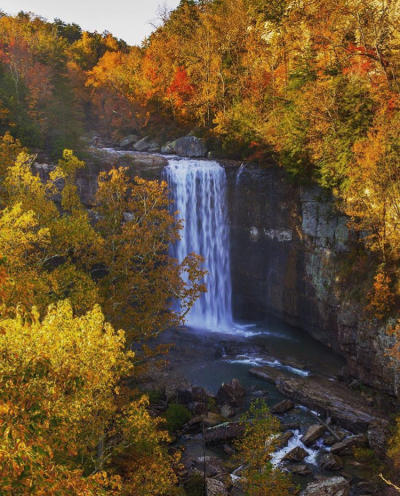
[289,244]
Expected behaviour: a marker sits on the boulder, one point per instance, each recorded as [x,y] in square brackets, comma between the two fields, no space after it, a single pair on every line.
[223,432]
[331,462]
[283,439]
[282,407]
[146,145]
[300,469]
[168,148]
[346,407]
[216,488]
[232,394]
[295,455]
[129,140]
[313,433]
[346,446]
[334,486]
[187,146]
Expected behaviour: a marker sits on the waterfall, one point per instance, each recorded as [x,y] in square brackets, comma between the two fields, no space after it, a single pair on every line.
[198,190]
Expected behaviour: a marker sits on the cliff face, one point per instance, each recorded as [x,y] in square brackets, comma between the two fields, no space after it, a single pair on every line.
[287,245]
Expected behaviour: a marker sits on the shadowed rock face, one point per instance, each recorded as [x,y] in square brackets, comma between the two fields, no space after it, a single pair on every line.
[287,242]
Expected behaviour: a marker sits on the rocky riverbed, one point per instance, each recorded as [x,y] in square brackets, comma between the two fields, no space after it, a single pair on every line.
[329,428]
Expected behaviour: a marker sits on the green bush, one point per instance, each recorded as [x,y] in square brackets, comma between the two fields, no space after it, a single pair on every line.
[176,416]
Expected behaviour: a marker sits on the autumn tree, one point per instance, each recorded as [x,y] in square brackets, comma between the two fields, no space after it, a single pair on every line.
[63,416]
[142,279]
[255,449]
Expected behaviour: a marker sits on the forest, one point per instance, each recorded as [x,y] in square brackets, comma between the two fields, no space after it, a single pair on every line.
[313,84]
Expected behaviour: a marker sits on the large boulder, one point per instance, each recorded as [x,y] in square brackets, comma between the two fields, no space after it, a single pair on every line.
[223,432]
[187,146]
[313,433]
[232,394]
[146,145]
[334,486]
[128,140]
[295,455]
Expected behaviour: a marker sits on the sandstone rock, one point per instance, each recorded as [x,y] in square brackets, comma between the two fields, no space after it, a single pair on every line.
[187,146]
[232,394]
[216,488]
[128,140]
[299,469]
[346,446]
[331,462]
[295,455]
[334,486]
[283,406]
[313,433]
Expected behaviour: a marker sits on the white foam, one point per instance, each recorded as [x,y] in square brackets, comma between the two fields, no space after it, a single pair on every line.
[295,442]
[259,361]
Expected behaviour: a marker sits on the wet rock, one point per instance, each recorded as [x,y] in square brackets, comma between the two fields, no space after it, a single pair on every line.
[346,446]
[330,440]
[283,439]
[300,469]
[216,488]
[295,455]
[129,140]
[223,432]
[313,433]
[232,394]
[282,407]
[187,146]
[331,462]
[334,486]
[227,411]
[346,407]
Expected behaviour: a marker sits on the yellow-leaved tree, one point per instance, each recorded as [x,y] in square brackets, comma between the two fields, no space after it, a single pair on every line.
[64,417]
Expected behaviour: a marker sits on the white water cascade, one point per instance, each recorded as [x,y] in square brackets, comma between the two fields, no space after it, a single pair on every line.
[198,189]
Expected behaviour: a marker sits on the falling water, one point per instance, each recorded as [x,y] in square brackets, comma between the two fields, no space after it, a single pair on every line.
[198,189]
